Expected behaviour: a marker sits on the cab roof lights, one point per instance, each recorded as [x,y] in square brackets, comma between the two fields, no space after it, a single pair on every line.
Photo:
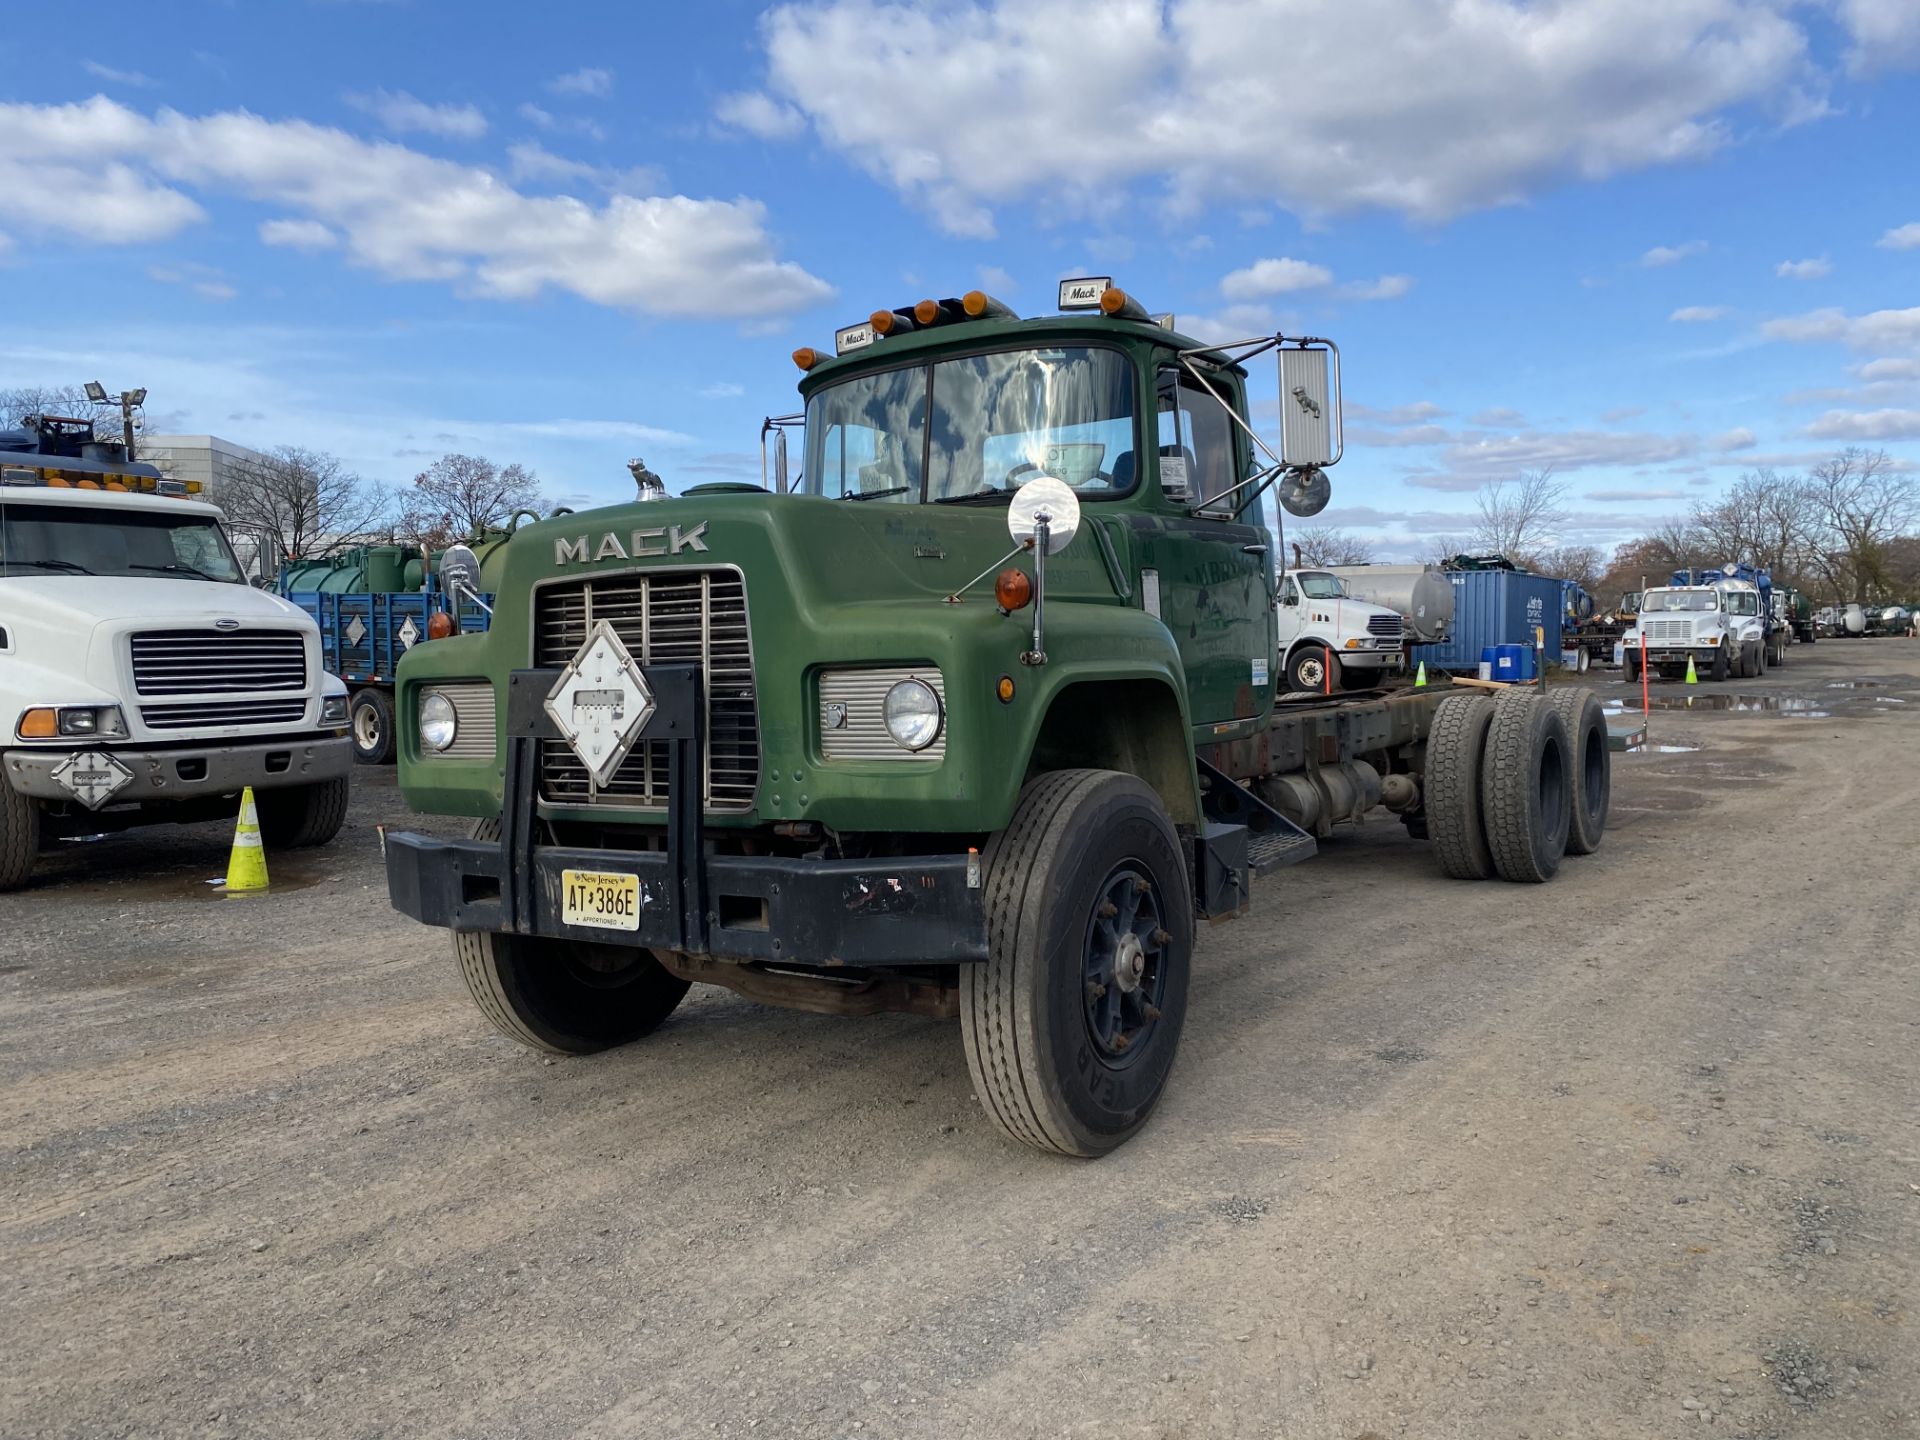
[1087,292]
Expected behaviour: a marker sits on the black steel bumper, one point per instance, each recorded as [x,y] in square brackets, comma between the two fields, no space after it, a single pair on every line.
[923,910]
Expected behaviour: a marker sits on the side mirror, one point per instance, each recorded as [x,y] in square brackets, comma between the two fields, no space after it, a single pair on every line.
[1310,418]
[1287,597]
[460,572]
[779,462]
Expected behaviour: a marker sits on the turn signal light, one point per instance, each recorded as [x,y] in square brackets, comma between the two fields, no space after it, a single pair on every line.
[39,724]
[439,625]
[806,357]
[1012,589]
[1005,689]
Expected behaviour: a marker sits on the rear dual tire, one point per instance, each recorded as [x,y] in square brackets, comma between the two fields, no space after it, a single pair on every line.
[1526,788]
[1508,778]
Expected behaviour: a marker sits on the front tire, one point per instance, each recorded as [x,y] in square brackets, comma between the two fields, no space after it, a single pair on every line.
[299,817]
[1722,663]
[19,836]
[1072,1022]
[566,997]
[1308,667]
[370,720]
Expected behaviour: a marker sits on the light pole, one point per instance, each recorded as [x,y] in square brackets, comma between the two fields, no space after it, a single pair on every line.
[129,401]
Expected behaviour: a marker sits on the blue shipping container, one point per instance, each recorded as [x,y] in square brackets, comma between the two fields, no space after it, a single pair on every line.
[1495,607]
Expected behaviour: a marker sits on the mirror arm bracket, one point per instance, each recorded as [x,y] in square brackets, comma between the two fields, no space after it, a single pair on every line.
[1042,532]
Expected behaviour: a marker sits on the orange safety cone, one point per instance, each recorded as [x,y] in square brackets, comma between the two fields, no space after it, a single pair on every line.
[1693,676]
[247,865]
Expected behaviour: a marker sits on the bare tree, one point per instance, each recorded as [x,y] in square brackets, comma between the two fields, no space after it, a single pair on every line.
[1440,549]
[460,495]
[303,504]
[1581,564]
[1766,519]
[67,400]
[1519,518]
[1861,505]
[1329,545]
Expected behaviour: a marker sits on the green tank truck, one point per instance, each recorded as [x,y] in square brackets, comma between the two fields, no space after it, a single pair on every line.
[976,717]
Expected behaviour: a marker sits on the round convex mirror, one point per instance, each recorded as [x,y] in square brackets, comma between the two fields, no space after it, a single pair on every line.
[1049,499]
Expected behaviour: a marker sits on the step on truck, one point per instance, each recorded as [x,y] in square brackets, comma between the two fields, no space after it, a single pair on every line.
[142,680]
[976,717]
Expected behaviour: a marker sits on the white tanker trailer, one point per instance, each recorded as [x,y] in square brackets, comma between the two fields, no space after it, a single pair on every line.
[1420,594]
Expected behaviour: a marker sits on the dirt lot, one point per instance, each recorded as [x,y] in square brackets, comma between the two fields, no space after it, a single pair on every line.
[1634,1154]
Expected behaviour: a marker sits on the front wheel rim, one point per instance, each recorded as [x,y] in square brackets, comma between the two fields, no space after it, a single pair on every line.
[366,727]
[1124,964]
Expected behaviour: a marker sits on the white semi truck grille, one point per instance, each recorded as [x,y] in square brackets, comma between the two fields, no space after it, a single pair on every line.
[218,662]
[224,712]
[1668,632]
[1387,627]
[664,617]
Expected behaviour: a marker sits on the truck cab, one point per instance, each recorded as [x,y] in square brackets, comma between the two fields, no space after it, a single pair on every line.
[1328,640]
[142,680]
[1719,626]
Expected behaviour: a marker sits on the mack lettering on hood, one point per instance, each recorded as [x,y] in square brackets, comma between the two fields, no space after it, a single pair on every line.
[641,544]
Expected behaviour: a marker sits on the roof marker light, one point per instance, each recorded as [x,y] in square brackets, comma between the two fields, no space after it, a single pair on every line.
[806,357]
[979,305]
[1119,305]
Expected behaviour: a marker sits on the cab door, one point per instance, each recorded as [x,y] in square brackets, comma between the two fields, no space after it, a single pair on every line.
[1215,573]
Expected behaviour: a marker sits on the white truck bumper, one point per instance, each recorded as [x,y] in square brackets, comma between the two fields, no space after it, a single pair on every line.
[181,772]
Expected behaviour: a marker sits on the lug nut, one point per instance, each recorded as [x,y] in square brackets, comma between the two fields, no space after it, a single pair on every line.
[1107,910]
[1161,937]
[1140,887]
[1152,1012]
[1121,1042]
[1095,990]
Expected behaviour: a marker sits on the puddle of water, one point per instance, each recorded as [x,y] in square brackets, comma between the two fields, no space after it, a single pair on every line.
[1755,704]
[1855,685]
[1888,700]
[1661,749]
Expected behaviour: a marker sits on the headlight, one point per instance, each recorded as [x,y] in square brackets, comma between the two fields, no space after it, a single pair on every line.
[44,722]
[438,724]
[333,710]
[912,713]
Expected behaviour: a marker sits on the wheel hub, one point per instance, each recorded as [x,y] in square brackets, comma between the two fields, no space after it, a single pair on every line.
[1129,963]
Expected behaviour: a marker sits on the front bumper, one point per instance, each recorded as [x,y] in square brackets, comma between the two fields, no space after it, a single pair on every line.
[916,910]
[927,910]
[188,772]
[1372,659]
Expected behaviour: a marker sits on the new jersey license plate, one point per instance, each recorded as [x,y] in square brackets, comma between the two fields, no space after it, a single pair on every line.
[600,900]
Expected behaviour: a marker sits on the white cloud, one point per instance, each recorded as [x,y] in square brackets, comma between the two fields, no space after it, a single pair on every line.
[1416,413]
[1880,370]
[400,213]
[118,77]
[1672,254]
[402,114]
[1387,287]
[202,280]
[298,234]
[1469,459]
[1265,278]
[1901,237]
[590,80]
[559,125]
[1886,33]
[1738,438]
[1621,412]
[1804,269]
[1877,330]
[1623,497]
[1867,425]
[1698,314]
[723,390]
[984,104]
[1497,416]
[761,115]
[996,281]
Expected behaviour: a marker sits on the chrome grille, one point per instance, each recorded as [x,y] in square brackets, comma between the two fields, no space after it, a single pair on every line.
[224,712]
[665,617]
[211,662]
[474,722]
[1390,627]
[863,734]
[1668,631]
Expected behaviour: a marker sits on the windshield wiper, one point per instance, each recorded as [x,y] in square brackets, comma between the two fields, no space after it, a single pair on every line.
[876,494]
[66,565]
[182,569]
[978,497]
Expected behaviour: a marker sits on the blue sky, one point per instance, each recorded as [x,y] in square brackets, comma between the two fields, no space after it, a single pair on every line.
[1652,244]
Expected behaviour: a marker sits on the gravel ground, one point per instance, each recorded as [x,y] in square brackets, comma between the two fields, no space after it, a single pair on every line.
[1630,1155]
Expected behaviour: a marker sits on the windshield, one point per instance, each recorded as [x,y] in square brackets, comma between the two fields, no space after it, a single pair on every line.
[1321,587]
[978,426]
[89,540]
[1657,600]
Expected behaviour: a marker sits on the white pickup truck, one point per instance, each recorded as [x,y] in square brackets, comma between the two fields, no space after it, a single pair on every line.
[1321,623]
[142,679]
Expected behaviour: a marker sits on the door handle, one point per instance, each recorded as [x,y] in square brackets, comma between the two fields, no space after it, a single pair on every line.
[1253,549]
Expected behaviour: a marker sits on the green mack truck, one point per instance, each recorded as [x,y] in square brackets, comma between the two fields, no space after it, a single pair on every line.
[975,717]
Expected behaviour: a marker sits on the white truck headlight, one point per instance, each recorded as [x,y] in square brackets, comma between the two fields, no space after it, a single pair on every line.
[438,722]
[333,710]
[912,713]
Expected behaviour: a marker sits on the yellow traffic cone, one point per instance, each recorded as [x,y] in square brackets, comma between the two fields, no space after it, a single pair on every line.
[1421,678]
[1693,676]
[247,867]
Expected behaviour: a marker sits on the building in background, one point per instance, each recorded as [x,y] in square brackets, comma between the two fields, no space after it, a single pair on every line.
[206,458]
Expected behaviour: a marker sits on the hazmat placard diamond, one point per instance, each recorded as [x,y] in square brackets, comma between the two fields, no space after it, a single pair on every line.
[356,630]
[409,633]
[601,703]
[92,777]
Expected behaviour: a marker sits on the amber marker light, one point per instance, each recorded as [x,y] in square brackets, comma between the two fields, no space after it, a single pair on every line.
[806,357]
[39,724]
[439,625]
[1012,589]
[1005,689]
[926,312]
[885,322]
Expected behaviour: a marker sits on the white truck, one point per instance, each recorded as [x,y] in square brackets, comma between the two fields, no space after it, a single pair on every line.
[1720,627]
[1322,626]
[142,680]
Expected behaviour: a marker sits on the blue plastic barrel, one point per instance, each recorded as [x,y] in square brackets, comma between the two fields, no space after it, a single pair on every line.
[1486,662]
[1512,663]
